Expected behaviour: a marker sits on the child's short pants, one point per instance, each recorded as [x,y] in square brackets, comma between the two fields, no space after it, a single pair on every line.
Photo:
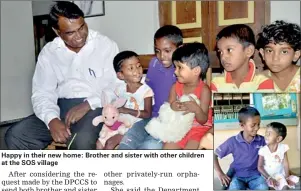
[195,133]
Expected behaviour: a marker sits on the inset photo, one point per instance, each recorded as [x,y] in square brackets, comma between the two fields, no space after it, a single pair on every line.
[256,141]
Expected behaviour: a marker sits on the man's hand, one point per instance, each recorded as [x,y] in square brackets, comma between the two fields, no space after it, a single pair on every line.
[59,132]
[76,113]
[192,106]
[112,142]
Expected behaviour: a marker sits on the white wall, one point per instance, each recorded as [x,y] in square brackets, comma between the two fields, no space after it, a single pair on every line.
[17,59]
[288,11]
[41,7]
[131,24]
[285,10]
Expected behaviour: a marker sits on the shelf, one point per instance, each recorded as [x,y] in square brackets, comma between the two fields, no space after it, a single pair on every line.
[231,96]
[226,106]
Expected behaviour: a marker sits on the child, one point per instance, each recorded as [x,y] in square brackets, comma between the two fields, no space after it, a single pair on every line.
[273,161]
[279,45]
[191,61]
[235,48]
[139,97]
[160,75]
[244,148]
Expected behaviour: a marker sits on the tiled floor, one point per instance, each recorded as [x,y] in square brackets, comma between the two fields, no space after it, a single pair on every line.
[217,186]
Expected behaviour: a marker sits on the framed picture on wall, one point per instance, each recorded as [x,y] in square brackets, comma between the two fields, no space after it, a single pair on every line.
[281,104]
[91,8]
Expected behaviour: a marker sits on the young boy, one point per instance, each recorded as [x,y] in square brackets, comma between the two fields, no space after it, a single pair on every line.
[160,75]
[235,47]
[279,45]
[138,107]
[244,148]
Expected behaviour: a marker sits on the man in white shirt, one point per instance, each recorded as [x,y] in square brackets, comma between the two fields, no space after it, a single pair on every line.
[72,73]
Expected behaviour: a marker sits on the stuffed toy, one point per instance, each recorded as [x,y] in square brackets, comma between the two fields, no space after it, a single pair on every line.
[114,123]
[170,125]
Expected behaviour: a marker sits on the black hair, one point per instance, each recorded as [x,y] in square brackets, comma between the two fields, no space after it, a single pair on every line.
[247,112]
[121,57]
[193,54]
[171,32]
[63,9]
[280,31]
[279,128]
[243,33]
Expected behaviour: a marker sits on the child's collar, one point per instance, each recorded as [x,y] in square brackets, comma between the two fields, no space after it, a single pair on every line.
[239,138]
[248,78]
[162,68]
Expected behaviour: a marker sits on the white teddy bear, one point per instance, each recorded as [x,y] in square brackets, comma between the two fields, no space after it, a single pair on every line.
[170,125]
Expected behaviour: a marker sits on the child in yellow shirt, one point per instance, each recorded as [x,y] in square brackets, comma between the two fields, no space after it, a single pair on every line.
[235,47]
[279,45]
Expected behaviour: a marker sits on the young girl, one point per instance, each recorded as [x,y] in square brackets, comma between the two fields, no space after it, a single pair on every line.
[138,107]
[279,45]
[191,61]
[273,161]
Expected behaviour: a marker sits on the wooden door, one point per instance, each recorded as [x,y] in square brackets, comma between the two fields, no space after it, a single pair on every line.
[202,20]
[224,13]
[191,17]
